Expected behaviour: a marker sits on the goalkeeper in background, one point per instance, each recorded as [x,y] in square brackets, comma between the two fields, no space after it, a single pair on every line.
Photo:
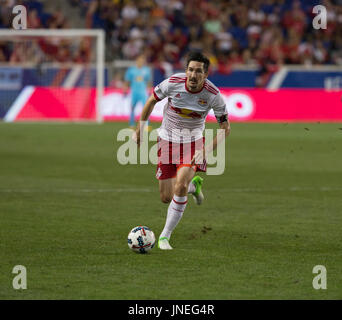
[138,79]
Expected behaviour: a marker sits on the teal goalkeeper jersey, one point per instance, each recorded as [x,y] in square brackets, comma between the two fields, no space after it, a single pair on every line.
[138,79]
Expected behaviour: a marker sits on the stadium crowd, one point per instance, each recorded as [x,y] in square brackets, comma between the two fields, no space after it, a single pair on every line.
[234,31]
[265,33]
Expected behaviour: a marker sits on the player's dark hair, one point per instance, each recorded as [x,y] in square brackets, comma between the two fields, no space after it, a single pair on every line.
[199,57]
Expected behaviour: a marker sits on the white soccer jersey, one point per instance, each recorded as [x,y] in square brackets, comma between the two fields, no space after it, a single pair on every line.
[185,111]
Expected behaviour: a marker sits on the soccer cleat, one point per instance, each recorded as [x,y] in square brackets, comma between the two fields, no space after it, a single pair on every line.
[163,244]
[198,195]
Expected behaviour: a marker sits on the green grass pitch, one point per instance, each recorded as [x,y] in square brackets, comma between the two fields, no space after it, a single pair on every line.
[66,207]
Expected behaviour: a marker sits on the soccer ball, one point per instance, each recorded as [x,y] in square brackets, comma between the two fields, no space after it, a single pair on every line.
[141,239]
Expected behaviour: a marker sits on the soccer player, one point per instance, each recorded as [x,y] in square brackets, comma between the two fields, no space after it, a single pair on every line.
[181,151]
[138,78]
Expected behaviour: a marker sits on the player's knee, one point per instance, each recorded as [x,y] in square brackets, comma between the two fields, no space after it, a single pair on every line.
[181,187]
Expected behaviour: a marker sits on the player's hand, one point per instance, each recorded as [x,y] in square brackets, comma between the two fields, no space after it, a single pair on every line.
[198,157]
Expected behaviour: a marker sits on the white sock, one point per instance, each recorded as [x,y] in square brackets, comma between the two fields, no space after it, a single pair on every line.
[191,188]
[174,214]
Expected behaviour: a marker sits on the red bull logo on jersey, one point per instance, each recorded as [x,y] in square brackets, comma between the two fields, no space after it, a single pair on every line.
[202,102]
[186,113]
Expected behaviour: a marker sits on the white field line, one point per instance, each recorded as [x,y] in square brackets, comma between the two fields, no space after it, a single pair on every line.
[147,190]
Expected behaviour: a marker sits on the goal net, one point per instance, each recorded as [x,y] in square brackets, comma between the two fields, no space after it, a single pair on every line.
[51,74]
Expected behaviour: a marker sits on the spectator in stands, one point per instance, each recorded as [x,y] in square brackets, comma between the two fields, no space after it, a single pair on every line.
[33,20]
[3,57]
[83,54]
[18,54]
[6,13]
[165,67]
[291,47]
[320,54]
[129,11]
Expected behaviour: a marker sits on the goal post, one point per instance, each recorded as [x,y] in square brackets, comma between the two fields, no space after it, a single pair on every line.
[66,65]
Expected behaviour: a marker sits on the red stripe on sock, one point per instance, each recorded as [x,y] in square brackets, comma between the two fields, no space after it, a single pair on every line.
[179,202]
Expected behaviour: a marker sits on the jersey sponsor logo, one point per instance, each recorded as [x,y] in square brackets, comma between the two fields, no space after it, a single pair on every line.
[202,102]
[186,113]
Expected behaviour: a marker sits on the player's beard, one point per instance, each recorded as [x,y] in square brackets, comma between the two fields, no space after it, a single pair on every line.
[193,84]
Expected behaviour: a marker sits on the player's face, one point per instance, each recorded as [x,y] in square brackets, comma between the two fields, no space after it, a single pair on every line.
[195,75]
[140,61]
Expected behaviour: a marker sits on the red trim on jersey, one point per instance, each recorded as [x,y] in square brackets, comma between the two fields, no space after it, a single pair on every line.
[156,97]
[179,202]
[213,92]
[193,92]
[177,78]
[211,89]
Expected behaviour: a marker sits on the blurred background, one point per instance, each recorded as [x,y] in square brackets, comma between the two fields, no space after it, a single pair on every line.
[252,44]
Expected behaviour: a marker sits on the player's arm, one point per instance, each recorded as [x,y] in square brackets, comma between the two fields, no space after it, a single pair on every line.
[159,93]
[127,82]
[148,108]
[145,114]
[125,89]
[224,125]
[221,115]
